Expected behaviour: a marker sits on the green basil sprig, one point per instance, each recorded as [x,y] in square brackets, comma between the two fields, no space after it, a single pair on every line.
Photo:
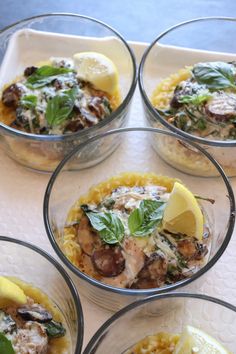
[215,75]
[54,329]
[45,75]
[5,345]
[143,220]
[108,225]
[29,101]
[196,100]
[59,107]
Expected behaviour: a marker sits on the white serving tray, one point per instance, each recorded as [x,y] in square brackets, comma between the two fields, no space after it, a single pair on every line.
[21,205]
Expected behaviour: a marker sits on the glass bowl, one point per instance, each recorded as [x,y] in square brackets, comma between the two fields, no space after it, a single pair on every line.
[134,154]
[165,313]
[34,266]
[38,38]
[183,45]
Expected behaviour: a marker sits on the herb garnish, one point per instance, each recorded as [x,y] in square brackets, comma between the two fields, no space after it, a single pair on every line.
[54,329]
[45,75]
[215,75]
[60,106]
[143,220]
[5,345]
[29,101]
[108,225]
[196,100]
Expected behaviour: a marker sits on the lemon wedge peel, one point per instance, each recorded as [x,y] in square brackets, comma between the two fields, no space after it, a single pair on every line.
[195,340]
[11,293]
[97,69]
[183,213]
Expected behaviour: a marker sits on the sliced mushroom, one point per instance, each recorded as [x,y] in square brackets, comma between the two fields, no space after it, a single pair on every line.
[74,125]
[7,324]
[30,70]
[33,338]
[88,239]
[191,249]
[88,117]
[34,312]
[109,261]
[221,107]
[11,95]
[95,106]
[153,273]
[187,248]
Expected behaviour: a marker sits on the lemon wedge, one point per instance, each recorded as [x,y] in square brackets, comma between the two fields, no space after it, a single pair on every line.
[193,340]
[10,293]
[97,69]
[182,213]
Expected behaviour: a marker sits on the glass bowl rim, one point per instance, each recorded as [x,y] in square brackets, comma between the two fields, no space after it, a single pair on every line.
[137,292]
[138,303]
[65,276]
[154,113]
[102,123]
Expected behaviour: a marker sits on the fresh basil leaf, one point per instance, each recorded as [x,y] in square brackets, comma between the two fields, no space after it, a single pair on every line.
[114,230]
[97,220]
[45,75]
[135,220]
[201,124]
[59,107]
[5,345]
[108,225]
[144,220]
[215,75]
[54,329]
[29,101]
[196,100]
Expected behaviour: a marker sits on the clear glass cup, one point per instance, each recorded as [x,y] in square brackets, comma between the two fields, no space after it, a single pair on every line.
[165,313]
[37,39]
[134,154]
[198,40]
[34,266]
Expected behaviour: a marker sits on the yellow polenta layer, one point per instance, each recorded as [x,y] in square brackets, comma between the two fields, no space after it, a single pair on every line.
[163,93]
[96,194]
[160,343]
[57,345]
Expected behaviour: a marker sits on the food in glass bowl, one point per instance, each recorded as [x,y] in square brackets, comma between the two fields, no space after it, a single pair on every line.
[29,321]
[187,86]
[187,323]
[62,96]
[39,304]
[138,231]
[192,340]
[200,100]
[79,80]
[68,190]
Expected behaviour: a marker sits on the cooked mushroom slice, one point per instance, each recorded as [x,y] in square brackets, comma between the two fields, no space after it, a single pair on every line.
[221,107]
[30,70]
[191,249]
[11,95]
[88,239]
[34,313]
[7,324]
[187,248]
[153,273]
[134,262]
[33,338]
[109,261]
